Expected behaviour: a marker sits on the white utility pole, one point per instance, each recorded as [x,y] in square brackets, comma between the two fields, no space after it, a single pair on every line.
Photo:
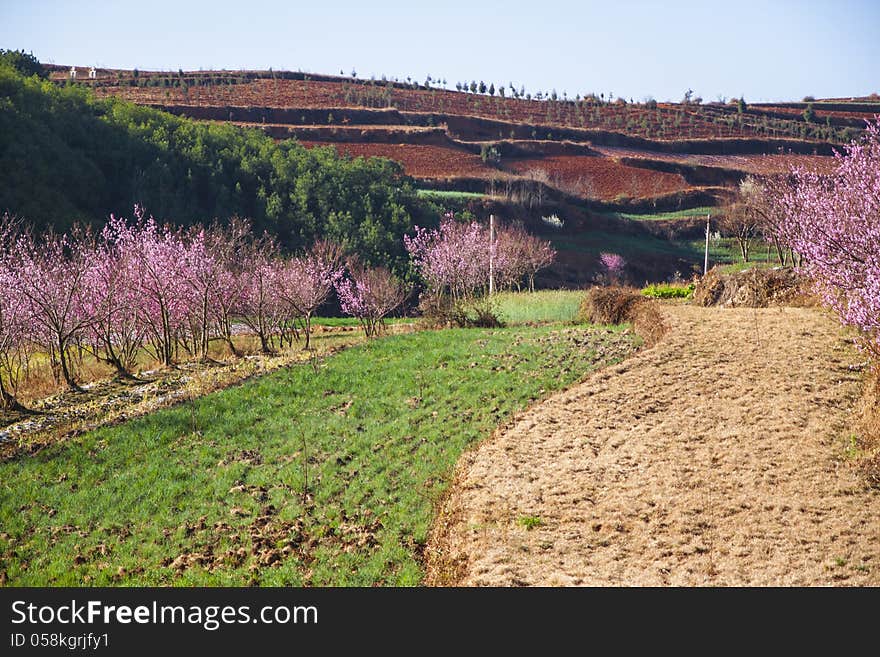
[491,253]
[706,260]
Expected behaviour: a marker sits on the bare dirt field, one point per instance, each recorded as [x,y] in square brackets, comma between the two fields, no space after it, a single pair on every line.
[718,457]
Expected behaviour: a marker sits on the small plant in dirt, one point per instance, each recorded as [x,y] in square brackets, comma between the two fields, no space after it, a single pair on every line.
[529,522]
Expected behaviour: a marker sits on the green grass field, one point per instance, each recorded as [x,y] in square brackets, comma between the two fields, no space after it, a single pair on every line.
[543,306]
[322,475]
[353,321]
[679,214]
[449,194]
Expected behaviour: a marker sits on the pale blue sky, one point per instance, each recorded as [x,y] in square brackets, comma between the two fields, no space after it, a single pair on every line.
[764,50]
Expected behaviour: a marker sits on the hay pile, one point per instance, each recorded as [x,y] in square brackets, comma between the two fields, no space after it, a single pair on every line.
[618,305]
[753,288]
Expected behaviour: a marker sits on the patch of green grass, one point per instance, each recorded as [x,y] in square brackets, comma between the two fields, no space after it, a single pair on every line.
[725,251]
[448,194]
[324,475]
[529,522]
[353,321]
[678,214]
[742,266]
[668,291]
[542,306]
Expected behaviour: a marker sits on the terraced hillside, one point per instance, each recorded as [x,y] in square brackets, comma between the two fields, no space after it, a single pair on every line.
[622,155]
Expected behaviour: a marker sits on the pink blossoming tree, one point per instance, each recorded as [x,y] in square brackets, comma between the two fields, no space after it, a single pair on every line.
[833,222]
[307,280]
[613,265]
[369,294]
[14,319]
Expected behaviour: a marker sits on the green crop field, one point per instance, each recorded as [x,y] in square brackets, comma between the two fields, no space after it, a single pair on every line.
[317,474]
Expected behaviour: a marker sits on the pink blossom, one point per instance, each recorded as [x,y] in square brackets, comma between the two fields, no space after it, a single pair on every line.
[833,222]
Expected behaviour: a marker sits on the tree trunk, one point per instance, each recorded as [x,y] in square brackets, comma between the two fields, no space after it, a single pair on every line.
[308,330]
[264,344]
[227,334]
[113,359]
[65,368]
[203,347]
[8,402]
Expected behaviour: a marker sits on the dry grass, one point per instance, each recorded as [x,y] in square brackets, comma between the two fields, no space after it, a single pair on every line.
[715,458]
[753,288]
[620,305]
[869,430]
[609,305]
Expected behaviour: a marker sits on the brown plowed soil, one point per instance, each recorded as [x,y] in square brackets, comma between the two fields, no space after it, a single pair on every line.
[598,177]
[420,161]
[717,457]
[754,164]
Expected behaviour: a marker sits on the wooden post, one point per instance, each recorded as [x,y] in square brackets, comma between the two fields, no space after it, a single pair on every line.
[706,260]
[491,254]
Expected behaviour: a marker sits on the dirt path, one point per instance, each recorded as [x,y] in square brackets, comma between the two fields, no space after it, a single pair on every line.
[715,458]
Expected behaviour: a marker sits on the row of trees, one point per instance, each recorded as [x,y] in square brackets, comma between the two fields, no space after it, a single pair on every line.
[170,292]
[141,287]
[826,224]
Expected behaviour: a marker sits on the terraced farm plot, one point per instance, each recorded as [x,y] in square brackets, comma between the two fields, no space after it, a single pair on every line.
[755,164]
[599,177]
[666,121]
[421,161]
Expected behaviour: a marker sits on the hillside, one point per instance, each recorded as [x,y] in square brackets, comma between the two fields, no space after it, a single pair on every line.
[601,173]
[618,154]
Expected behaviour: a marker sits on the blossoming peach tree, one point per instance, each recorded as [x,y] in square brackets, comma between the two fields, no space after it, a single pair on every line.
[833,222]
[457,259]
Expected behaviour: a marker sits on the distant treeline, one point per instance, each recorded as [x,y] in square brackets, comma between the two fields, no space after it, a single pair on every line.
[68,157]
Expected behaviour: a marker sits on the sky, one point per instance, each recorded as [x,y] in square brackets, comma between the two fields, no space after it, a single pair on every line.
[761,50]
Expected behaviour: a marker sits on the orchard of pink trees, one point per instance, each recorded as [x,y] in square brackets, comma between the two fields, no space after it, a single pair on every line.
[141,287]
[833,223]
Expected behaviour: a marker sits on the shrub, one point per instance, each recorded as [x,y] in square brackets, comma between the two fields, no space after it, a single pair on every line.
[666,291]
[608,305]
[24,63]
